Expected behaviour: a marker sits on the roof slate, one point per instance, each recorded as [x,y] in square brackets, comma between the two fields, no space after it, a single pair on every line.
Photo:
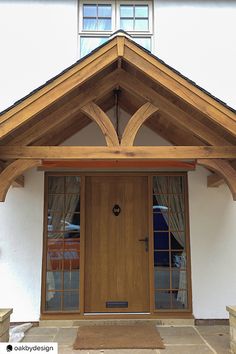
[115,34]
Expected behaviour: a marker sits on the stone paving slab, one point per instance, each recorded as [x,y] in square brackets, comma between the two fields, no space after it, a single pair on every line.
[177,339]
[65,336]
[38,338]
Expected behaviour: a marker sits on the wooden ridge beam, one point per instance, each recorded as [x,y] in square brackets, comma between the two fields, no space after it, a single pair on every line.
[117,152]
[135,122]
[12,171]
[224,169]
[190,94]
[93,111]
[178,116]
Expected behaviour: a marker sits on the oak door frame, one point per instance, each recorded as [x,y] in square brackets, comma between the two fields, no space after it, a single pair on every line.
[186,313]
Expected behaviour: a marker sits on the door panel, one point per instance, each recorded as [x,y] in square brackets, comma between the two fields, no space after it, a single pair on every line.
[116,262]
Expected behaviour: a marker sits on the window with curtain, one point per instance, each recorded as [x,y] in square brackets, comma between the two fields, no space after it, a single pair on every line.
[99,19]
[62,243]
[169,233]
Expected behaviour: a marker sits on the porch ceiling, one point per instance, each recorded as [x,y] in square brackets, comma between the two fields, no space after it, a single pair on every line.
[150,91]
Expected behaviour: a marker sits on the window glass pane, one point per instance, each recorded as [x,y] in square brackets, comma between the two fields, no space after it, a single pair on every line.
[72,203]
[56,184]
[126,25]
[160,221]
[179,279]
[54,281]
[162,299]
[55,203]
[72,225]
[141,25]
[126,11]
[104,10]
[178,260]
[90,24]
[53,301]
[141,11]
[160,202]
[55,222]
[90,10]
[176,203]
[87,44]
[177,221]
[161,240]
[161,259]
[176,184]
[71,255]
[160,184]
[72,184]
[104,24]
[71,280]
[179,299]
[144,42]
[177,240]
[162,278]
[70,301]
[55,255]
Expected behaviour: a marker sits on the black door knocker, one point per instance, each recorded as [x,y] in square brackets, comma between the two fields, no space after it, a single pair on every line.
[116,209]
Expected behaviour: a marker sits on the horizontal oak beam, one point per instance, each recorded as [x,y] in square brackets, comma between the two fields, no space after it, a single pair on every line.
[169,164]
[117,153]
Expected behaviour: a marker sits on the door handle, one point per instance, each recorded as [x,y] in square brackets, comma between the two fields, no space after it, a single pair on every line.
[146,240]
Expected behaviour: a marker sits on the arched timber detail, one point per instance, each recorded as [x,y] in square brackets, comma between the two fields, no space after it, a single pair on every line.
[224,169]
[93,111]
[135,122]
[12,171]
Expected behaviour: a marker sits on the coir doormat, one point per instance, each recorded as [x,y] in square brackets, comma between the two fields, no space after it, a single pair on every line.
[138,336]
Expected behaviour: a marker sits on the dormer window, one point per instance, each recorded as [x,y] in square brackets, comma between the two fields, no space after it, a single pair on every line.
[99,19]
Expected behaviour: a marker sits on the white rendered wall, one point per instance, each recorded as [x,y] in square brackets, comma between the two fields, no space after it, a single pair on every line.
[38,39]
[213,244]
[21,236]
[198,39]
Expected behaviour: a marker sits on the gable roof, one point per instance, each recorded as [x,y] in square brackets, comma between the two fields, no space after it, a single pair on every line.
[129,38]
[118,63]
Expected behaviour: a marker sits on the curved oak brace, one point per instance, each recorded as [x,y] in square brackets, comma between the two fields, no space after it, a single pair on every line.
[135,122]
[93,111]
[224,169]
[9,174]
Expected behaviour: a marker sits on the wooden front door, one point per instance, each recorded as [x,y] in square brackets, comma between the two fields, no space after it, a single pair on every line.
[116,261]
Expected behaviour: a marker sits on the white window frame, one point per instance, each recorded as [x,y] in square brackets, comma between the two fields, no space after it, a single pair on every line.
[99,33]
[150,16]
[115,20]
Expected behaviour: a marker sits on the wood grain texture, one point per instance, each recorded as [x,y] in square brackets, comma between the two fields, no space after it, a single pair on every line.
[213,110]
[28,112]
[116,266]
[177,115]
[11,172]
[117,153]
[215,180]
[135,122]
[67,111]
[93,111]
[224,169]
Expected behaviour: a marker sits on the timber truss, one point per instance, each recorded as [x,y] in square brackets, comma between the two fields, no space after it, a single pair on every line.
[200,128]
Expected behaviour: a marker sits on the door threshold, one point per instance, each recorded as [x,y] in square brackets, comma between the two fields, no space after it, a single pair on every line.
[115,313]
